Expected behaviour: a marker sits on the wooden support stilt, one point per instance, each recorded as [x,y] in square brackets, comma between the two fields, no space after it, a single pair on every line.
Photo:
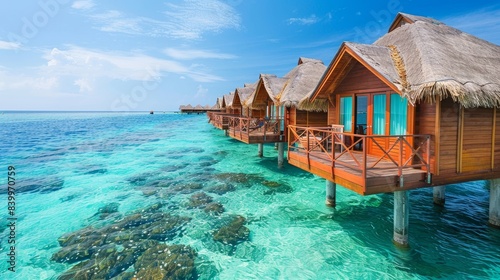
[281,154]
[438,196]
[401,218]
[331,192]
[494,217]
[261,150]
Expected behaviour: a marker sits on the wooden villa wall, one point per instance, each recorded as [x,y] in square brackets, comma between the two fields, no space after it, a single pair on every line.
[258,113]
[426,123]
[332,112]
[469,144]
[477,139]
[361,79]
[305,118]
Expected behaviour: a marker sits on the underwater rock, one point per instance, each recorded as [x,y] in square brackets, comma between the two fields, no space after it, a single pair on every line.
[45,185]
[96,171]
[110,251]
[186,188]
[166,262]
[214,208]
[79,236]
[238,178]
[220,189]
[233,233]
[140,179]
[108,209]
[173,168]
[199,200]
[276,187]
[108,263]
[271,184]
[149,191]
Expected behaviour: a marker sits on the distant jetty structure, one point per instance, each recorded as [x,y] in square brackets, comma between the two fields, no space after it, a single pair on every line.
[198,109]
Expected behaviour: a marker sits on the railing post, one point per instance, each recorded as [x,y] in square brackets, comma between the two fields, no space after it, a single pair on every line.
[400,164]
[365,164]
[333,148]
[308,146]
[428,160]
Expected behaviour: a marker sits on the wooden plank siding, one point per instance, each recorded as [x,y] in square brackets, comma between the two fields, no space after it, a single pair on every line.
[333,114]
[496,149]
[305,118]
[448,142]
[361,79]
[468,144]
[477,140]
[425,123]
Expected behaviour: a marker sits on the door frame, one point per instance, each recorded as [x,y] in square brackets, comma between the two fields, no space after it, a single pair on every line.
[410,115]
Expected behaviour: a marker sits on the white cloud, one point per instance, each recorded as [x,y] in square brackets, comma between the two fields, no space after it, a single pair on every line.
[195,54]
[5,45]
[115,21]
[80,62]
[188,20]
[194,17]
[24,82]
[304,21]
[84,84]
[83,4]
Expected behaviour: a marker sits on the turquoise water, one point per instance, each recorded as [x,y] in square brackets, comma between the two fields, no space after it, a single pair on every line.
[70,166]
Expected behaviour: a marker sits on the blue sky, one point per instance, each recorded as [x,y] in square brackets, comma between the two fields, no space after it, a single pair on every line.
[156,55]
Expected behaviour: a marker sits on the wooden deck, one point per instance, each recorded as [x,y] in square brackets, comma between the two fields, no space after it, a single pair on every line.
[247,130]
[398,167]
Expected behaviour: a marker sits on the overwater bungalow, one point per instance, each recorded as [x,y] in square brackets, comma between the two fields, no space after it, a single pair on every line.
[419,108]
[240,96]
[262,125]
[220,120]
[301,81]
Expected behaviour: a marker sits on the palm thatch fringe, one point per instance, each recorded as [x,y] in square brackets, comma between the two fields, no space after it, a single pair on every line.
[470,95]
[318,105]
[400,67]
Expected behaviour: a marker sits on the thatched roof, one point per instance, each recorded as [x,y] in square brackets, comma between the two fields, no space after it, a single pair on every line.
[403,18]
[188,107]
[425,60]
[207,107]
[268,87]
[228,99]
[198,107]
[301,80]
[441,61]
[241,95]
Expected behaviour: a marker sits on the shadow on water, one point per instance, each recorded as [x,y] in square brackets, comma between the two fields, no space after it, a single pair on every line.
[444,241]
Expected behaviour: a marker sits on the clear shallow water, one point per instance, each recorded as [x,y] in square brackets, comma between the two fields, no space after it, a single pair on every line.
[70,165]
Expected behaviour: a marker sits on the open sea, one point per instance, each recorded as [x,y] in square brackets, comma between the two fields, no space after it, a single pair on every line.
[118,195]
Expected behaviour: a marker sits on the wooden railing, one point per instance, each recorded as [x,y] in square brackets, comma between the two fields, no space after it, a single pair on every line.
[220,120]
[245,126]
[386,152]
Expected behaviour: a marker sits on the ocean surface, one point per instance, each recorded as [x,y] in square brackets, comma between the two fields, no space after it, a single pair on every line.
[101,180]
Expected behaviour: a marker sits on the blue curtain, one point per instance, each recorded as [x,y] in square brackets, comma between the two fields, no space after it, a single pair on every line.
[282,116]
[399,107]
[346,113]
[379,114]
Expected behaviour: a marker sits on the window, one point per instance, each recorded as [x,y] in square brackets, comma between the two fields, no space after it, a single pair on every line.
[346,113]
[399,108]
[379,102]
